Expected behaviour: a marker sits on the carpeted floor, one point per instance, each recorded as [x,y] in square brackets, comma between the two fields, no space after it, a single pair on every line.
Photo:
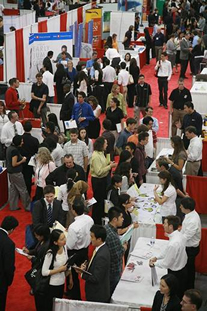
[18,294]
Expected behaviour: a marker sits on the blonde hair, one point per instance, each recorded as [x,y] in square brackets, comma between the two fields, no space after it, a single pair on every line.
[114,88]
[44,156]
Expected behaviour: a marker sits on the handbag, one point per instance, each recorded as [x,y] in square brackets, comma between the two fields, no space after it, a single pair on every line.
[131,79]
[107,203]
[30,277]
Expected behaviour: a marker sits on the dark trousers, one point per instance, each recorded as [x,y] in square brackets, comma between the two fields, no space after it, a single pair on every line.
[184,66]
[27,173]
[192,252]
[131,93]
[148,55]
[99,193]
[114,280]
[163,88]
[79,258]
[107,91]
[38,194]
[54,292]
[3,300]
[181,276]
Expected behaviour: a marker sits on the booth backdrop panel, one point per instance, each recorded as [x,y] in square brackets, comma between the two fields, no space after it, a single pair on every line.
[204,156]
[10,55]
[53,24]
[42,26]
[201,259]
[26,33]
[34,28]
[63,22]
[69,19]
[19,54]
[160,234]
[120,22]
[196,188]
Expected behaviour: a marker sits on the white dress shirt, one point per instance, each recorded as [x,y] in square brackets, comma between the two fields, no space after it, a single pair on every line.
[123,77]
[60,260]
[165,69]
[109,74]
[195,149]
[8,132]
[112,53]
[57,155]
[191,229]
[63,196]
[174,256]
[47,204]
[169,206]
[149,146]
[79,232]
[155,126]
[3,120]
[48,79]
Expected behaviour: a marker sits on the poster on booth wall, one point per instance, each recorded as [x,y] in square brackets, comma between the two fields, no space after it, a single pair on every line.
[41,43]
[95,15]
[130,5]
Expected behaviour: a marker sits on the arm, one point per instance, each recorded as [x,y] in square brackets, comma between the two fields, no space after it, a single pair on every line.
[123,104]
[99,270]
[85,163]
[50,179]
[11,101]
[189,231]
[169,71]
[37,98]
[155,125]
[8,257]
[159,200]
[46,266]
[15,163]
[44,97]
[4,138]
[171,106]
[90,115]
[99,170]
[168,259]
[72,238]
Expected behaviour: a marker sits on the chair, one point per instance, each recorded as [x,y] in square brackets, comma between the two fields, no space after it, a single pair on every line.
[196,188]
[201,259]
[160,234]
[145,309]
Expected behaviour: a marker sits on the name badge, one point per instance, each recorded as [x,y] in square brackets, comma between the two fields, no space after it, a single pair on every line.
[185,96]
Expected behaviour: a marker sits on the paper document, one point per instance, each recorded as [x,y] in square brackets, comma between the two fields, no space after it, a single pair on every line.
[91,202]
[21,252]
[127,235]
[154,276]
[71,124]
[133,191]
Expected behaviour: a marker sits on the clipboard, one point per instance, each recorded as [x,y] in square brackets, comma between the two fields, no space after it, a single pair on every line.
[81,270]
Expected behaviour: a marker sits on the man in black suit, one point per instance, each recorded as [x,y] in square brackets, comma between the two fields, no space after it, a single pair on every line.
[7,257]
[28,149]
[67,105]
[47,61]
[97,285]
[46,211]
[58,176]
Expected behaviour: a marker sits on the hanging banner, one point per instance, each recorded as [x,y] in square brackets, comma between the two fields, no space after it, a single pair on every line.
[80,39]
[41,43]
[95,15]
[90,32]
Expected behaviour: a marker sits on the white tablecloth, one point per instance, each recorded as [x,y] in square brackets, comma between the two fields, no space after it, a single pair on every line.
[204,71]
[137,294]
[75,305]
[148,214]
[152,174]
[199,95]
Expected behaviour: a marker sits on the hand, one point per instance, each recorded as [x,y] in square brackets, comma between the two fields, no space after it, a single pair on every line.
[156,187]
[171,110]
[29,257]
[125,245]
[113,164]
[24,159]
[168,160]
[81,119]
[70,286]
[63,268]
[152,261]
[136,225]
[25,250]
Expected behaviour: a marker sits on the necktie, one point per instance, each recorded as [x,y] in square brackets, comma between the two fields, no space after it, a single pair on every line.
[80,113]
[94,253]
[49,215]
[15,130]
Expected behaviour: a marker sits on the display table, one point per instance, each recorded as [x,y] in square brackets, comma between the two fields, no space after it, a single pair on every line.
[4,188]
[148,214]
[204,71]
[152,174]
[137,294]
[199,95]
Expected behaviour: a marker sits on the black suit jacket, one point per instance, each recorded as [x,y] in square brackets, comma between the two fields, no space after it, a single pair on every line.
[58,176]
[30,146]
[173,304]
[39,212]
[7,259]
[67,107]
[98,284]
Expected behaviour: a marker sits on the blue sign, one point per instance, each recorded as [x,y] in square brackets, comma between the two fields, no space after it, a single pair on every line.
[50,36]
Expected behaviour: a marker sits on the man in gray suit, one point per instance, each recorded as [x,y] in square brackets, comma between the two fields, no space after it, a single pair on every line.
[185,50]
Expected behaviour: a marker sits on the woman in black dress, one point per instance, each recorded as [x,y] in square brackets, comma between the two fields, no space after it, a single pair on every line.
[148,45]
[94,126]
[134,71]
[58,79]
[166,298]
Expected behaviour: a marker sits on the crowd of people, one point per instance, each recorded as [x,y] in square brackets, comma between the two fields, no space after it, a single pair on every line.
[63,165]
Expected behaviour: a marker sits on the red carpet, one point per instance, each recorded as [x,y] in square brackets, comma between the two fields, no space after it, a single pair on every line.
[18,294]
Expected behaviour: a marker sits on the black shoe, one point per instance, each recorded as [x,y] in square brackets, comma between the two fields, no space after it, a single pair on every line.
[166,107]
[185,77]
[161,105]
